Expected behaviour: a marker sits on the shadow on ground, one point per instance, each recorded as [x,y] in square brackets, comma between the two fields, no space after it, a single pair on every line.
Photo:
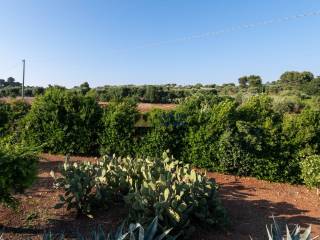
[249,217]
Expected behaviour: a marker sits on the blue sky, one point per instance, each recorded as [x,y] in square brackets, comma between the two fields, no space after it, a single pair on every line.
[67,42]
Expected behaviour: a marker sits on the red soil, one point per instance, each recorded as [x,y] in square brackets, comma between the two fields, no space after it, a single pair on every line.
[142,107]
[147,107]
[250,204]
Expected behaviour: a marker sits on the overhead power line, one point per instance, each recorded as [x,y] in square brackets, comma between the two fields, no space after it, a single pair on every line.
[226,30]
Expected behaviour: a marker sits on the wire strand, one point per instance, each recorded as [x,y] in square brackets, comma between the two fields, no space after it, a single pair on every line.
[224,31]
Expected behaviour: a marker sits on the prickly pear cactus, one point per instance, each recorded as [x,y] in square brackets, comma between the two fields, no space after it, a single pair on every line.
[164,187]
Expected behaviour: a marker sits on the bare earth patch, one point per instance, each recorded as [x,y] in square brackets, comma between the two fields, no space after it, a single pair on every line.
[147,107]
[250,204]
[142,107]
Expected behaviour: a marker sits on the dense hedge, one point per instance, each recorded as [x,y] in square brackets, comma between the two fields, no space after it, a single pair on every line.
[10,114]
[251,137]
[118,133]
[4,117]
[165,131]
[63,122]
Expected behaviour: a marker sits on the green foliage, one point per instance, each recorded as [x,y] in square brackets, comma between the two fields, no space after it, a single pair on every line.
[4,117]
[296,78]
[10,115]
[254,138]
[259,129]
[313,87]
[195,108]
[161,187]
[246,140]
[79,183]
[169,93]
[267,154]
[85,88]
[203,139]
[276,233]
[243,82]
[299,82]
[254,82]
[260,136]
[63,122]
[118,133]
[166,130]
[18,168]
[311,170]
[150,95]
[303,130]
[176,193]
[283,105]
[19,109]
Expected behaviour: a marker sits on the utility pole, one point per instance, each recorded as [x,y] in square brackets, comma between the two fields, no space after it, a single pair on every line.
[23,74]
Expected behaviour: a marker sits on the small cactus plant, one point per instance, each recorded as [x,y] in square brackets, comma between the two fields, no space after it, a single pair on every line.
[78,181]
[134,231]
[276,233]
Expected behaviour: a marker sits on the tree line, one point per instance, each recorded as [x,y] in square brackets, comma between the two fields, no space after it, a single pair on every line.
[12,88]
[289,83]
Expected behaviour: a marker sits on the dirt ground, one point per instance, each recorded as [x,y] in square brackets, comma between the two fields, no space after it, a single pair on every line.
[147,107]
[28,100]
[250,204]
[142,107]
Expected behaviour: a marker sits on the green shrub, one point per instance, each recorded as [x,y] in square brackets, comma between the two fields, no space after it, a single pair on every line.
[288,104]
[10,116]
[196,108]
[63,122]
[311,171]
[245,140]
[202,140]
[18,109]
[303,130]
[268,154]
[4,117]
[18,168]
[232,157]
[118,133]
[166,130]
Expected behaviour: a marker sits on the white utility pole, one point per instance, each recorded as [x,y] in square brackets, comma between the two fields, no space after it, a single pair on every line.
[23,74]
